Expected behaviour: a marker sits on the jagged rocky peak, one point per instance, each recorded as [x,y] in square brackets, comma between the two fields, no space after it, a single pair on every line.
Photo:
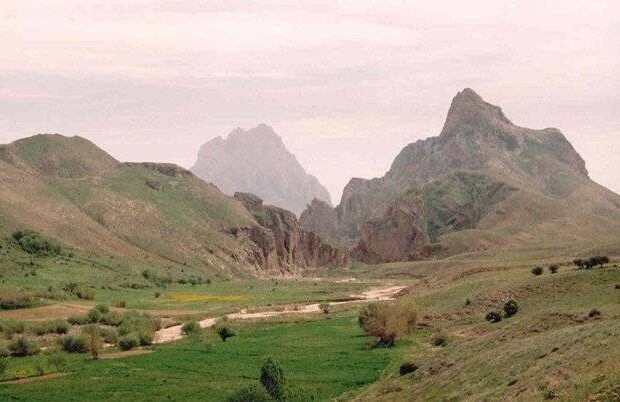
[257,161]
[468,108]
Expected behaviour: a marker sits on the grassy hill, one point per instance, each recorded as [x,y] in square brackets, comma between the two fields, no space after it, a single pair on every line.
[75,193]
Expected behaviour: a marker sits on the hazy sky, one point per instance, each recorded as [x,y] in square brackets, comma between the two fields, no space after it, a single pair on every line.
[346,84]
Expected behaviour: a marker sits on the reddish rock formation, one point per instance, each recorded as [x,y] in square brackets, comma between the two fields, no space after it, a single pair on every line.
[283,245]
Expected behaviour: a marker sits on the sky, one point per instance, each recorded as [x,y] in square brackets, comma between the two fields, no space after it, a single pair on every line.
[347,84]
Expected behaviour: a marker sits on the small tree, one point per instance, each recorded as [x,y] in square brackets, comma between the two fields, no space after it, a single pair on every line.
[225,332]
[272,378]
[511,308]
[387,321]
[94,339]
[537,271]
[325,307]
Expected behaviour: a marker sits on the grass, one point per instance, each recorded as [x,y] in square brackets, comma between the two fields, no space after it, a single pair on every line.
[328,356]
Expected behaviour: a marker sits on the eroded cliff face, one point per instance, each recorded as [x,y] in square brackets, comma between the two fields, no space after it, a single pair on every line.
[281,244]
[479,178]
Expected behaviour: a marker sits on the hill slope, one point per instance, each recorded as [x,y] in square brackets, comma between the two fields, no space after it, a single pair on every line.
[73,192]
[256,161]
[483,183]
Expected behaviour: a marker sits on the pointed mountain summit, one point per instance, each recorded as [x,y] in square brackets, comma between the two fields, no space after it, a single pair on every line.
[483,183]
[256,161]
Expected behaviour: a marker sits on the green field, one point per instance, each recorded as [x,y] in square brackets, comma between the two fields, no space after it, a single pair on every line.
[327,356]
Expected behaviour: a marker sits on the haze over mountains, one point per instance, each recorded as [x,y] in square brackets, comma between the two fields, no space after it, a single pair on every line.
[483,183]
[256,161]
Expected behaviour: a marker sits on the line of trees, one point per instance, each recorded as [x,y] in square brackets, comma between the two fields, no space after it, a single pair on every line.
[591,262]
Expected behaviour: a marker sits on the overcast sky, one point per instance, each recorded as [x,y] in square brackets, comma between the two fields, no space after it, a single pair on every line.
[346,84]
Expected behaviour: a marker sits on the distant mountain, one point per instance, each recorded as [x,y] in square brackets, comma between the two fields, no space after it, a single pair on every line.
[256,161]
[76,194]
[482,184]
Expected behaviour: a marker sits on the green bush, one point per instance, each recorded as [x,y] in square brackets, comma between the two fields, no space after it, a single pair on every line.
[128,342]
[109,335]
[190,328]
[10,328]
[272,378]
[439,339]
[78,319]
[537,271]
[23,347]
[4,352]
[225,332]
[553,269]
[142,326]
[511,308]
[33,243]
[10,300]
[85,294]
[252,393]
[407,368]
[112,318]
[59,327]
[73,344]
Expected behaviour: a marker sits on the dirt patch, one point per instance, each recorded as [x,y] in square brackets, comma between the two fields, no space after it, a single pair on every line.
[128,353]
[37,378]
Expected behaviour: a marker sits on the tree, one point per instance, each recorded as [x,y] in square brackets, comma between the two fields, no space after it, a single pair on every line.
[387,321]
[94,339]
[272,378]
[225,333]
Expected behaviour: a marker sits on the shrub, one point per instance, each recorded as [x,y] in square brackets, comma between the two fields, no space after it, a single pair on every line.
[252,393]
[579,263]
[325,308]
[73,344]
[493,317]
[112,318]
[407,368]
[3,364]
[4,352]
[60,326]
[11,328]
[511,308]
[128,342]
[94,315]
[78,319]
[467,302]
[85,294]
[272,378]
[190,328]
[94,339]
[439,339]
[554,269]
[15,300]
[388,321]
[108,335]
[594,313]
[33,243]
[57,360]
[23,347]
[141,325]
[225,332]
[537,271]
[102,308]
[120,304]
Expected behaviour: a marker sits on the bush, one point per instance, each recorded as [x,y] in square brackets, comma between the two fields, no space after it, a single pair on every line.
[439,339]
[4,352]
[493,317]
[85,294]
[272,378]
[225,332]
[109,335]
[387,321]
[112,318]
[407,368]
[325,308]
[93,337]
[33,243]
[252,393]
[78,320]
[73,344]
[94,316]
[3,364]
[554,269]
[537,271]
[190,328]
[15,300]
[594,313]
[59,327]
[23,347]
[511,308]
[141,325]
[128,342]
[120,304]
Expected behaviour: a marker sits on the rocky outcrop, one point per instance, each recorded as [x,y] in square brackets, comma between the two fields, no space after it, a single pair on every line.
[321,218]
[480,177]
[282,245]
[256,161]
